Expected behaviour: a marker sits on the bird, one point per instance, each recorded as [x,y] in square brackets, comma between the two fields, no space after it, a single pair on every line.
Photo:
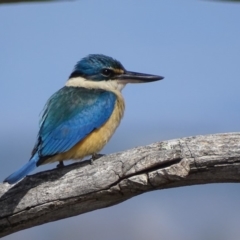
[80,118]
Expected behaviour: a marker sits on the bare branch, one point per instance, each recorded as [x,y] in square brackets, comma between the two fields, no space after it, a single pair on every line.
[81,187]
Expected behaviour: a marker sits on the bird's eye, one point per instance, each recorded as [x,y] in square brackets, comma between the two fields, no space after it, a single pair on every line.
[107,72]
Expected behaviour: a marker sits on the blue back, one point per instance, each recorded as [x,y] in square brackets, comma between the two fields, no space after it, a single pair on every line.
[69,116]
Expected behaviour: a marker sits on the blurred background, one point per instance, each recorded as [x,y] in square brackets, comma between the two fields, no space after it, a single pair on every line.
[195,45]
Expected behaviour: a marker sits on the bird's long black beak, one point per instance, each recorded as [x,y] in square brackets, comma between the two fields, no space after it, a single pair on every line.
[135,77]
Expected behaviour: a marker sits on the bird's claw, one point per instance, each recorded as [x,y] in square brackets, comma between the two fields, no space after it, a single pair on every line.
[60,165]
[95,156]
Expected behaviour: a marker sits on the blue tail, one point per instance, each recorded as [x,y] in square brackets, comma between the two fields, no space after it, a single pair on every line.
[23,171]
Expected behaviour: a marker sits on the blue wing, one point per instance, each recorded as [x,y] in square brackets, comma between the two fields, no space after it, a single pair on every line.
[69,116]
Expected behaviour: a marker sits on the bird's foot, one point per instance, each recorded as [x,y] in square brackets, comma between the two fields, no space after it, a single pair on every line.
[60,165]
[95,156]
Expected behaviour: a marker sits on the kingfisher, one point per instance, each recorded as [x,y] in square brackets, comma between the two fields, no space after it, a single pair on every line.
[80,118]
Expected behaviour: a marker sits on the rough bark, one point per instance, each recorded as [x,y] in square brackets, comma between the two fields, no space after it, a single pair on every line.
[81,187]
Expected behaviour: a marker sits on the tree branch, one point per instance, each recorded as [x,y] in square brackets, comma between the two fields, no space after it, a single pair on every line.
[81,187]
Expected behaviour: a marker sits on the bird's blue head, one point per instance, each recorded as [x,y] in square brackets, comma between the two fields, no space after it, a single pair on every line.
[100,71]
[97,67]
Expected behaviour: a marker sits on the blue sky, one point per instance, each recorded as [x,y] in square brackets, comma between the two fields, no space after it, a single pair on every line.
[193,44]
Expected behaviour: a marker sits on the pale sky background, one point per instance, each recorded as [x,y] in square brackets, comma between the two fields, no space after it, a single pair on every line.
[194,44]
